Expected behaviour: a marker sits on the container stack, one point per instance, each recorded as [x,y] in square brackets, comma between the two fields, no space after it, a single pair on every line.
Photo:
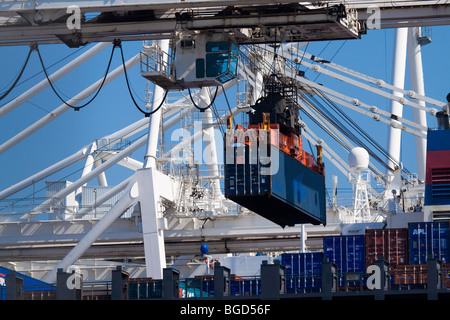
[348,253]
[303,271]
[429,239]
[391,244]
[425,240]
[405,249]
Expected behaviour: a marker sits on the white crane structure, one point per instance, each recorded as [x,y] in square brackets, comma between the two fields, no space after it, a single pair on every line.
[172,201]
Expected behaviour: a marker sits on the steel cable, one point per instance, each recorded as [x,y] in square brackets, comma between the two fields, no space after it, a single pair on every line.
[147,114]
[76,108]
[32,47]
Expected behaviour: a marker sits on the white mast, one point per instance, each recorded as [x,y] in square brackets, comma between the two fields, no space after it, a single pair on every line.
[417,85]
[396,108]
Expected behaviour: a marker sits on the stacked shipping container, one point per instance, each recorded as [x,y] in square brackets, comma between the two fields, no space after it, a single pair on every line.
[348,253]
[303,271]
[405,249]
[428,239]
[391,244]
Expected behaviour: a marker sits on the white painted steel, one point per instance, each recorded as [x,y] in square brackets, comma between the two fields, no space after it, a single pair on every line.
[380,83]
[94,173]
[417,85]
[155,120]
[102,198]
[210,152]
[396,108]
[127,200]
[81,154]
[88,165]
[153,186]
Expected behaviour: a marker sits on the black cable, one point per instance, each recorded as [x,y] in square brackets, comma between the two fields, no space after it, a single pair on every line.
[52,65]
[32,47]
[228,103]
[207,107]
[147,114]
[76,108]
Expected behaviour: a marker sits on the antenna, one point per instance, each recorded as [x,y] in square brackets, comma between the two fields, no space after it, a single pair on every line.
[358,160]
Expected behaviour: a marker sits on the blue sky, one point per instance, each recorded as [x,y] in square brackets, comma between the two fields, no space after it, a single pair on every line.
[113,108]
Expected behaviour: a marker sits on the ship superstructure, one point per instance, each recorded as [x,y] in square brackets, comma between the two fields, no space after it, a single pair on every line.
[232,187]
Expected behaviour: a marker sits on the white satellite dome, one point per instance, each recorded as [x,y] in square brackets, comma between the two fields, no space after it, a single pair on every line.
[358,158]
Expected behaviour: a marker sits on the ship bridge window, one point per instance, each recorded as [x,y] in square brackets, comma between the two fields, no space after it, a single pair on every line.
[221,60]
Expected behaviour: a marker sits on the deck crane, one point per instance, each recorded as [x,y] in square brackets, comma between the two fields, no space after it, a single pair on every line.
[191,23]
[208,56]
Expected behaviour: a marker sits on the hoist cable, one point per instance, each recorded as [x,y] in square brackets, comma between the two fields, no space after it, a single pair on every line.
[32,47]
[207,107]
[147,114]
[76,108]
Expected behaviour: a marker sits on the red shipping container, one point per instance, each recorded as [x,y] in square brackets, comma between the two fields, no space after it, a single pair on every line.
[392,244]
[446,274]
[409,274]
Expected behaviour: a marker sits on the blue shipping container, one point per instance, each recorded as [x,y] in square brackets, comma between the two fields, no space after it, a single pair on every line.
[238,287]
[347,252]
[289,193]
[303,271]
[245,287]
[429,239]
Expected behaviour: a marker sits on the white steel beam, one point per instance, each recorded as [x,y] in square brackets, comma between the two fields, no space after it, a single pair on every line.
[153,186]
[124,133]
[197,135]
[81,154]
[116,211]
[94,173]
[348,101]
[397,98]
[396,108]
[417,130]
[126,162]
[101,178]
[417,84]
[104,197]
[210,142]
[88,165]
[393,14]
[328,152]
[380,83]
[353,103]
[155,120]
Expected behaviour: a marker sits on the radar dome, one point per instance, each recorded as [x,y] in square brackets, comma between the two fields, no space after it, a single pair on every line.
[358,158]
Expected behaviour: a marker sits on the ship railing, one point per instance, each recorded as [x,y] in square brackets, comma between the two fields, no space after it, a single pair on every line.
[303,283]
[39,292]
[96,290]
[144,289]
[32,292]
[153,59]
[18,208]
